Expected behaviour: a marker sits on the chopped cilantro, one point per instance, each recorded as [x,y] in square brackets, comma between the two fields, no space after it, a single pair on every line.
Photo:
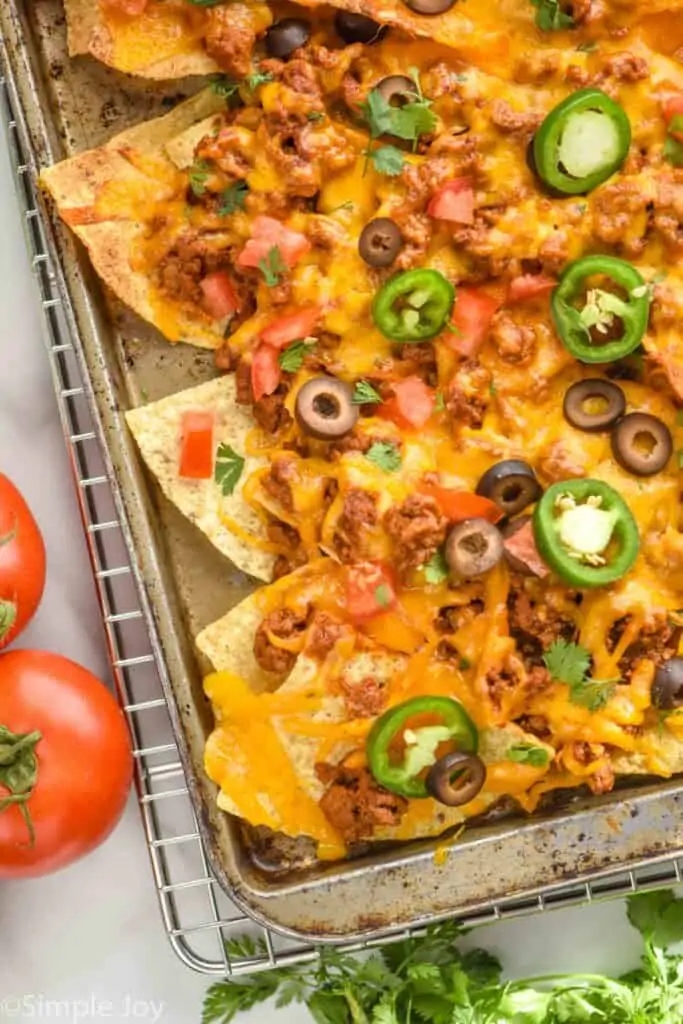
[223,86]
[436,569]
[233,198]
[291,359]
[528,753]
[588,47]
[198,175]
[550,17]
[569,663]
[440,402]
[385,456]
[383,595]
[410,121]
[257,78]
[386,160]
[315,115]
[229,466]
[365,394]
[272,266]
[673,150]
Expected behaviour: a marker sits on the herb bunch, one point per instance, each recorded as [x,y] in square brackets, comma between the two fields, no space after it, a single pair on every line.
[428,980]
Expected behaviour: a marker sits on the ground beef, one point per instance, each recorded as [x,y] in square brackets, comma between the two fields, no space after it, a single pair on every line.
[656,642]
[284,564]
[419,360]
[453,617]
[283,623]
[601,781]
[514,342]
[363,699]
[668,214]
[277,482]
[537,66]
[270,412]
[324,633]
[624,67]
[467,395]
[353,442]
[498,682]
[230,36]
[184,265]
[417,529]
[513,122]
[538,679]
[416,230]
[359,512]
[554,252]
[225,357]
[535,624]
[245,394]
[535,724]
[556,464]
[618,209]
[283,534]
[423,179]
[355,804]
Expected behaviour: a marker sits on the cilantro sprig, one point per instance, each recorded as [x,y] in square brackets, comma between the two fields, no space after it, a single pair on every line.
[292,358]
[550,16]
[409,122]
[365,394]
[386,160]
[229,468]
[430,980]
[384,455]
[528,753]
[198,175]
[436,569]
[272,266]
[233,198]
[569,663]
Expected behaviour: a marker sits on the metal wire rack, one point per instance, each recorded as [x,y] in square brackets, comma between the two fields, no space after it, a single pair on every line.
[198,916]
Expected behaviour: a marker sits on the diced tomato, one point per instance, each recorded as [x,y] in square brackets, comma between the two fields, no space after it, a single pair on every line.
[673,107]
[265,371]
[461,505]
[369,590]
[522,546]
[454,201]
[268,233]
[472,315]
[411,404]
[291,327]
[220,297]
[529,286]
[129,7]
[196,445]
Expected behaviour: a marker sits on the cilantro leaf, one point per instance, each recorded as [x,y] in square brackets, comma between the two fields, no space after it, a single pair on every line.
[673,151]
[385,455]
[383,595]
[315,115]
[410,121]
[257,78]
[569,663]
[233,198]
[550,17]
[658,916]
[223,86]
[229,466]
[198,175]
[226,999]
[436,569]
[365,394]
[528,753]
[272,266]
[292,358]
[386,160]
[440,402]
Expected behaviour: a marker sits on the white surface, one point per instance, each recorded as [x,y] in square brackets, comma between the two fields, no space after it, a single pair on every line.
[92,935]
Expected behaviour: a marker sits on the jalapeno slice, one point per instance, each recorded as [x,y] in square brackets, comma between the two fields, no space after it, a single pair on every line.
[405,775]
[586,533]
[582,142]
[414,305]
[597,324]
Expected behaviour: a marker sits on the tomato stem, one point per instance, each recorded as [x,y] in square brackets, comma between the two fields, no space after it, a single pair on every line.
[8,616]
[19,771]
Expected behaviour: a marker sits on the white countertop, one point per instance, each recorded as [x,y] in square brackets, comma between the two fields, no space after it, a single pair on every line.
[92,935]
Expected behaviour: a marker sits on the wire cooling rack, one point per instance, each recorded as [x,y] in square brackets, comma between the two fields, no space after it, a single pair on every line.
[197,915]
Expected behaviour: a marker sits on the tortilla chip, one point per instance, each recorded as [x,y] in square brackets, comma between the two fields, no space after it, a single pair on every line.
[156,428]
[100,193]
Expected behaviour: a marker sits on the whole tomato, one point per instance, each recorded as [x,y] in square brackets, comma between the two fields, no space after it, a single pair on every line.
[65,763]
[22,563]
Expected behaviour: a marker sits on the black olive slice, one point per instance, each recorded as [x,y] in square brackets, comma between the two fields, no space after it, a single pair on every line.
[380,242]
[642,444]
[396,87]
[286,36]
[473,547]
[429,6]
[324,409]
[667,688]
[456,778]
[594,405]
[512,484]
[357,28]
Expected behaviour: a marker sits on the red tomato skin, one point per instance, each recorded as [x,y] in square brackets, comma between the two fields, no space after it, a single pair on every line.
[85,763]
[454,202]
[265,371]
[291,327]
[362,582]
[472,315]
[530,286]
[196,445]
[458,506]
[673,106]
[22,563]
[266,232]
[220,298]
[411,405]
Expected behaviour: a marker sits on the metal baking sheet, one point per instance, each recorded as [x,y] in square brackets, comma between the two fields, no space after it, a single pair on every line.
[73,105]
